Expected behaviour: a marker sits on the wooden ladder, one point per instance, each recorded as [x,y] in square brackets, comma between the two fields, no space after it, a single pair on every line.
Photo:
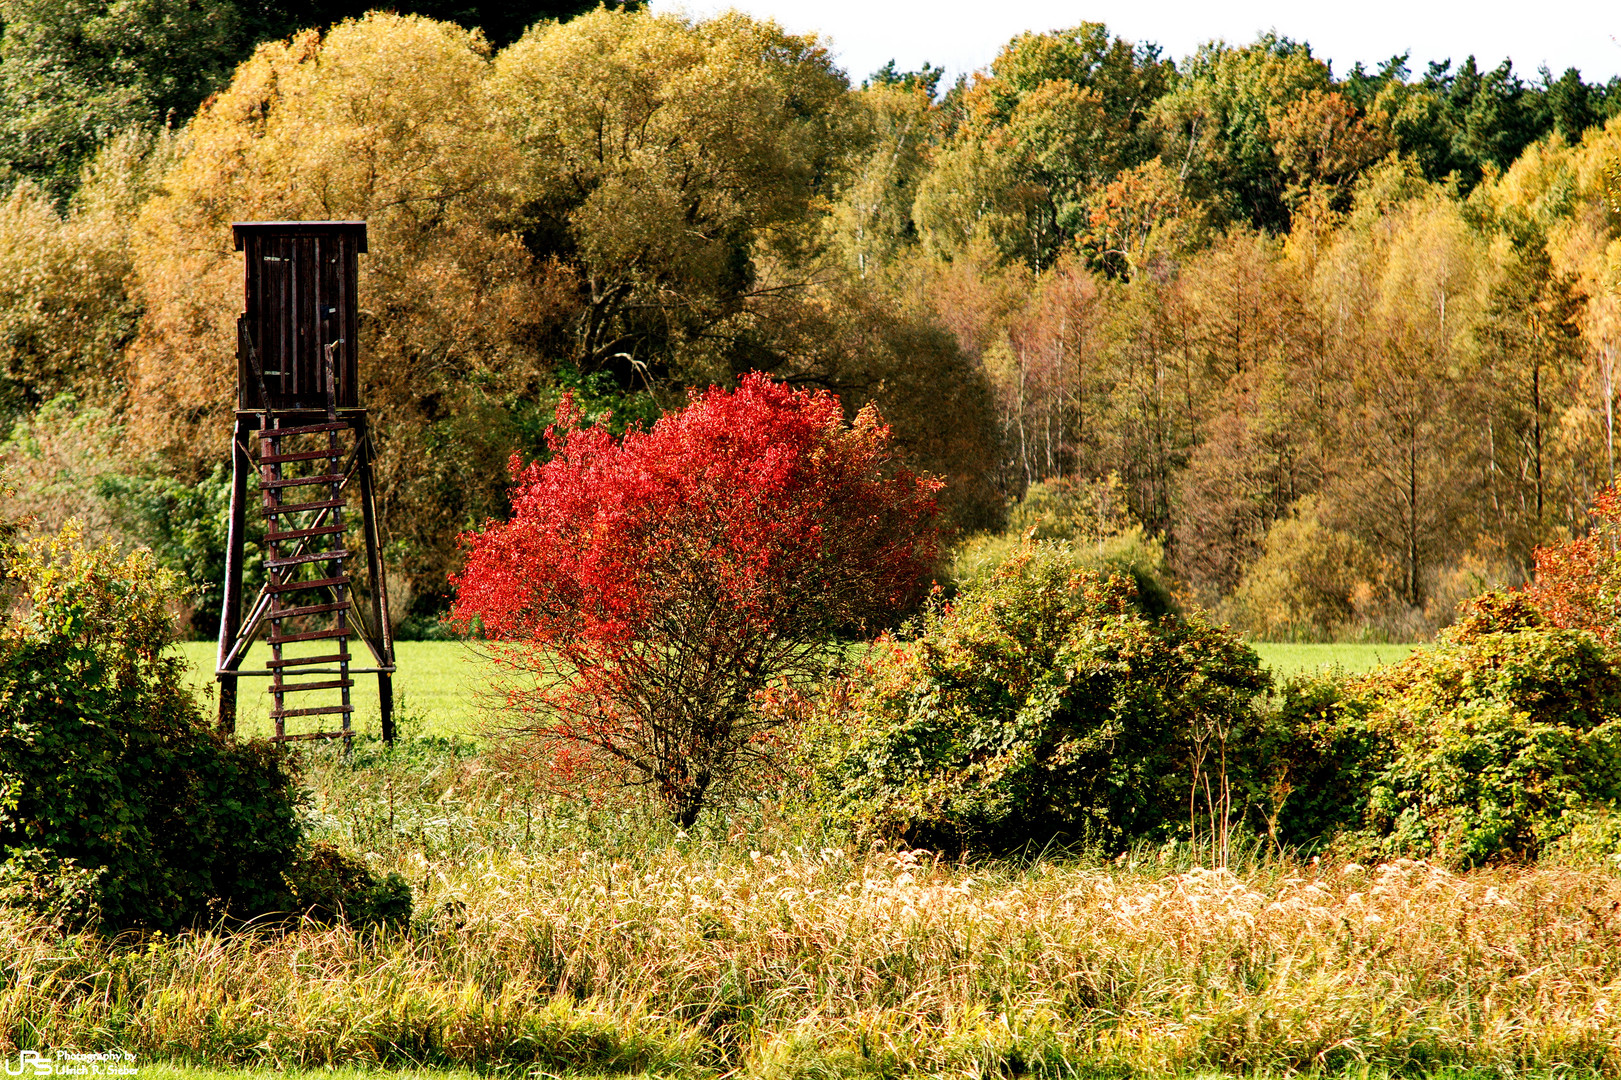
[301,476]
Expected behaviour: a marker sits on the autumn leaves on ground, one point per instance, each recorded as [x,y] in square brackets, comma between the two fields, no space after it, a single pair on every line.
[864,489]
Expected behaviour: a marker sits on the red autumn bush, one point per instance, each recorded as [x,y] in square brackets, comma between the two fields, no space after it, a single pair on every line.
[647,591]
[1577,585]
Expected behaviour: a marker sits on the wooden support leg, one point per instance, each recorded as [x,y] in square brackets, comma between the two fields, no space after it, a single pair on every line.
[385,695]
[231,610]
[227,719]
[379,579]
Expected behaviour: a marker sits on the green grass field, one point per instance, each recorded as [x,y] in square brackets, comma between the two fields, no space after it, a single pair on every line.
[440,686]
[438,689]
[1288,658]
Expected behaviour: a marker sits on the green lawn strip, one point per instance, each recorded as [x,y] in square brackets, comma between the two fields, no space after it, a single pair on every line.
[1291,658]
[439,689]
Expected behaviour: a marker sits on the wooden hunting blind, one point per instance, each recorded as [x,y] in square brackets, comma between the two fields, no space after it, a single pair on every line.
[301,283]
[298,390]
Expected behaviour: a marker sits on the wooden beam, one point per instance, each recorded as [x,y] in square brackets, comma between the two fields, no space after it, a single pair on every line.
[378,579]
[229,657]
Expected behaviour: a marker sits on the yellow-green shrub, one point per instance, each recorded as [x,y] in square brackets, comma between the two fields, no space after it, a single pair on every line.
[1091,521]
[1043,705]
[1307,580]
[1502,738]
[119,806]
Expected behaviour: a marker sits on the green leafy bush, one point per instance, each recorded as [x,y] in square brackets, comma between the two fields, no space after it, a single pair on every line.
[330,886]
[119,806]
[187,526]
[1310,764]
[1499,742]
[109,765]
[1091,521]
[1503,738]
[1042,706]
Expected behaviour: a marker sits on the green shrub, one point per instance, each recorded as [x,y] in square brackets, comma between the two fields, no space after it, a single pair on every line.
[186,526]
[329,886]
[1502,738]
[1594,837]
[1093,524]
[1042,706]
[1499,742]
[119,806]
[1309,766]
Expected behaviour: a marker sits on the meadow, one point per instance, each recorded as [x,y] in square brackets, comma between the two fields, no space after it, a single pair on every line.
[439,688]
[559,936]
[583,936]
[1284,659]
[923,252]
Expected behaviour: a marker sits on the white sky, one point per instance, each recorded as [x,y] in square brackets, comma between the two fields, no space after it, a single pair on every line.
[965,36]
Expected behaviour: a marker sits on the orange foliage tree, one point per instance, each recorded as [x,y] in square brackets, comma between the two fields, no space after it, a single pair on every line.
[1578,584]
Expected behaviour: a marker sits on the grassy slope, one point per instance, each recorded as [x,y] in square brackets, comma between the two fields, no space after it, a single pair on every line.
[438,687]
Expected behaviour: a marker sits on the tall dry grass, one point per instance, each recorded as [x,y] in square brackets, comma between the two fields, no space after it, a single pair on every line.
[554,935]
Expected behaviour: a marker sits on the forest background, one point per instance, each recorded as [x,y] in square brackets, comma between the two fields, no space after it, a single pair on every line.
[1336,351]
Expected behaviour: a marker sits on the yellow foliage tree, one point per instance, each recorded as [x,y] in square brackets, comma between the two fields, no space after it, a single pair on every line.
[387,119]
[663,159]
[66,314]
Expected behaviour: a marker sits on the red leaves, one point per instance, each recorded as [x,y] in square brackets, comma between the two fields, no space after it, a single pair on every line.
[1577,585]
[661,581]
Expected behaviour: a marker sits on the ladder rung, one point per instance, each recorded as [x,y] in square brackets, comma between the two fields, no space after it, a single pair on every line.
[311,635]
[307,429]
[313,735]
[302,455]
[317,556]
[299,534]
[301,481]
[330,684]
[312,583]
[244,673]
[320,710]
[295,661]
[299,508]
[307,609]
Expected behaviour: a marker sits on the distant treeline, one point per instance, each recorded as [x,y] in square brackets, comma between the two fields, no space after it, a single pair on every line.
[1345,344]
